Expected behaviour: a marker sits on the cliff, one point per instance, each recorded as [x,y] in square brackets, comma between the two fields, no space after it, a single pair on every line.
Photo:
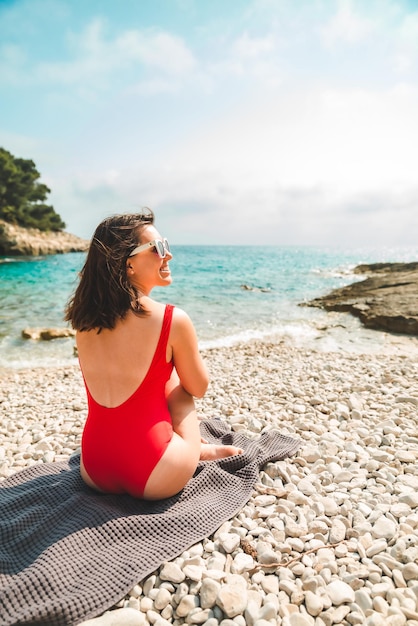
[386,300]
[18,241]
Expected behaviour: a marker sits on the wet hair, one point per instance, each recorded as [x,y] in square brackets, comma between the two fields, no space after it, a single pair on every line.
[104,294]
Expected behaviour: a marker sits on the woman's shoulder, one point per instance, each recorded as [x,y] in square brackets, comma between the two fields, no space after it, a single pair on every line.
[180,315]
[182,326]
[180,319]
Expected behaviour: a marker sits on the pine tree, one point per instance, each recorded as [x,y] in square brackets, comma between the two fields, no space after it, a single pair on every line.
[22,196]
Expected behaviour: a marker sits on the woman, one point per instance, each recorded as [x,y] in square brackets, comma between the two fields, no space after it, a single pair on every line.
[141,366]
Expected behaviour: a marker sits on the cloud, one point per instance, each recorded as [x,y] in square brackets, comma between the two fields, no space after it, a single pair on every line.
[95,59]
[12,64]
[406,44]
[250,58]
[346,26]
[302,167]
[408,31]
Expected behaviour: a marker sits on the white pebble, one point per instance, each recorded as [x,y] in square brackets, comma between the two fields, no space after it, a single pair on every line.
[172,572]
[384,528]
[232,599]
[340,592]
[118,617]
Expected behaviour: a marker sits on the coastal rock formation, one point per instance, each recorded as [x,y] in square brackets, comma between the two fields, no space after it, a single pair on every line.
[46,334]
[250,288]
[386,300]
[18,241]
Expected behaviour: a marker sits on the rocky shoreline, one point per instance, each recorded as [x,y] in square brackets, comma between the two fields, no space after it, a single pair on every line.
[329,536]
[18,241]
[386,300]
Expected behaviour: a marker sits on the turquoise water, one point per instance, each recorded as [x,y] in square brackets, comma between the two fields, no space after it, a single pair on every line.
[208,284]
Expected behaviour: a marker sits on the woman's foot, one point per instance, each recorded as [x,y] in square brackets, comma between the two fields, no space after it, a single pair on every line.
[212,452]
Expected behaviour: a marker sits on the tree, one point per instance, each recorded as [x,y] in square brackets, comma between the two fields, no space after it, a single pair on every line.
[22,196]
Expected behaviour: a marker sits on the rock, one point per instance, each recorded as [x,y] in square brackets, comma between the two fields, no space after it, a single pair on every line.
[297,619]
[270,584]
[232,599]
[18,241]
[196,616]
[208,593]
[340,592]
[242,563]
[229,542]
[47,333]
[118,617]
[363,599]
[337,532]
[384,528]
[410,571]
[377,546]
[375,619]
[193,572]
[310,453]
[314,603]
[306,487]
[384,301]
[172,572]
[246,287]
[267,612]
[187,604]
[405,456]
[162,598]
[331,508]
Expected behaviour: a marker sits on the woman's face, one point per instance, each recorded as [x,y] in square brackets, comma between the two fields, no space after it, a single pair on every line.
[146,269]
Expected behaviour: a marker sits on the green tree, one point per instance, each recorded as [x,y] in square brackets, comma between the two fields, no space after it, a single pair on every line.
[22,196]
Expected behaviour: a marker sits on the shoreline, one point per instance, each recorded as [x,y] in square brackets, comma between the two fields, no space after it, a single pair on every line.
[336,332]
[340,518]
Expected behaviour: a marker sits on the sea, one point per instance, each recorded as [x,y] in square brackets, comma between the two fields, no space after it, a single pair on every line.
[233,294]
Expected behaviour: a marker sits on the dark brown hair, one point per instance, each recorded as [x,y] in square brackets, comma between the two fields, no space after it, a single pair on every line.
[104,293]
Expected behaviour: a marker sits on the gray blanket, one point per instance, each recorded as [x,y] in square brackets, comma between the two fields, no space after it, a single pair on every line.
[68,553]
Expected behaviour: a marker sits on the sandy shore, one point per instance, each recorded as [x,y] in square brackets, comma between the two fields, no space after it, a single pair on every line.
[328,537]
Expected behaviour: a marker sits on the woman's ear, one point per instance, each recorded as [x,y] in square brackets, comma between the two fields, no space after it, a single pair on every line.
[129,268]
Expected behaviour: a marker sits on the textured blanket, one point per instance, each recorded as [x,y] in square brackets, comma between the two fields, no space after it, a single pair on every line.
[68,553]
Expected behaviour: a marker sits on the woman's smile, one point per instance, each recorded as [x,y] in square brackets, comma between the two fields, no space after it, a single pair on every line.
[165,270]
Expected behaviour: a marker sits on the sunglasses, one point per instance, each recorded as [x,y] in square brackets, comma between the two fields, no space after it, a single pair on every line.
[161,247]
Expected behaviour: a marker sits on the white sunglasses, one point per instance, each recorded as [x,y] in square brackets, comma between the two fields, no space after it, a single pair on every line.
[161,247]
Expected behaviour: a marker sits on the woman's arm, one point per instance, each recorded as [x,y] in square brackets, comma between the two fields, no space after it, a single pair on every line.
[189,364]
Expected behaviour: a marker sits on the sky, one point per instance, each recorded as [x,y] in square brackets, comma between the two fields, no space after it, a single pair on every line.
[286,122]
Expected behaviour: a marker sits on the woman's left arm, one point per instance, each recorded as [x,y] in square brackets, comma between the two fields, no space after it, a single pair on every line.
[188,362]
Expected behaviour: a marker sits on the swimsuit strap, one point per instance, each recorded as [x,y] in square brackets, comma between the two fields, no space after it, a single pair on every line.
[165,329]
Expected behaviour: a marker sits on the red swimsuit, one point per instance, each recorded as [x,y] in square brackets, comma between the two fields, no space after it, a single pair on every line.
[122,445]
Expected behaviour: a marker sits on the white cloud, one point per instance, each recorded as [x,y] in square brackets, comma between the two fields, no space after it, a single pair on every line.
[408,31]
[302,168]
[350,139]
[247,47]
[406,45]
[96,59]
[12,61]
[346,26]
[94,55]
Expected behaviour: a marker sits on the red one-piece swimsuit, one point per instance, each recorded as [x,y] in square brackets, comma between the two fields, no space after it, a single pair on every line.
[122,445]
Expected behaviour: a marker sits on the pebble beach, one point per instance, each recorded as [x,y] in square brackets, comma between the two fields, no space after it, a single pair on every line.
[329,536]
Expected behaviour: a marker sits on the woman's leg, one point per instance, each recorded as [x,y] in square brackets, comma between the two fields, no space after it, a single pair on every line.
[208,451]
[179,461]
[185,449]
